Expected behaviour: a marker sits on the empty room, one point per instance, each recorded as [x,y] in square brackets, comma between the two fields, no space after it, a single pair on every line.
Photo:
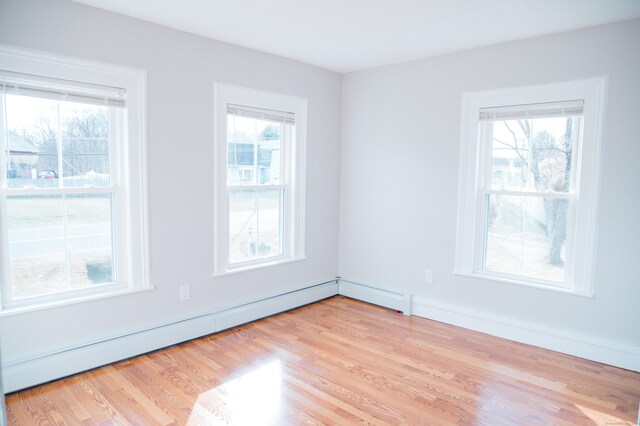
[290,212]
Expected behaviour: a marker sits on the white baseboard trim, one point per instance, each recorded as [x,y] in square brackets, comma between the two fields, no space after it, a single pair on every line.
[40,369]
[44,368]
[274,305]
[389,299]
[580,345]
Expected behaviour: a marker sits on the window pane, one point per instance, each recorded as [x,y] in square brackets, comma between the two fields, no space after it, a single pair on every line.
[533,154]
[243,223]
[270,222]
[525,236]
[32,133]
[53,143]
[59,243]
[90,239]
[255,224]
[85,145]
[36,246]
[254,151]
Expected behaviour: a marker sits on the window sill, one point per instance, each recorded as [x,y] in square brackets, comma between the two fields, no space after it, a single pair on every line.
[38,306]
[523,283]
[263,264]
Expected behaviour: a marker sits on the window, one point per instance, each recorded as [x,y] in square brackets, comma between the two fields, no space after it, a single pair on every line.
[259,197]
[71,181]
[529,185]
[245,174]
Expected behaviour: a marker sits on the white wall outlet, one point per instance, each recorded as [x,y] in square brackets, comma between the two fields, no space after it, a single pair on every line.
[428,276]
[185,292]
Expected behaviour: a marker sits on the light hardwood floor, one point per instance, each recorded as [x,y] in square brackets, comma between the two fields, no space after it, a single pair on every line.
[339,362]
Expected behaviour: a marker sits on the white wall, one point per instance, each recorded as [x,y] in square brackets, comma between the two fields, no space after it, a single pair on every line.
[181,71]
[400,156]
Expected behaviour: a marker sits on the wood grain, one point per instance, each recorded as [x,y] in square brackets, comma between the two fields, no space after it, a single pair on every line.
[338,362]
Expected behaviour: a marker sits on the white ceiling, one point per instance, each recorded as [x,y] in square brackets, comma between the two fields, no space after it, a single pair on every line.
[350,35]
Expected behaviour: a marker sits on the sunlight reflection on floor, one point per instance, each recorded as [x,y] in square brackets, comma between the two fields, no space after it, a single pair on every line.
[601,418]
[251,399]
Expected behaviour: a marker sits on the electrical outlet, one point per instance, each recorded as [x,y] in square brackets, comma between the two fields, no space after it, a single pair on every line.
[185,292]
[428,276]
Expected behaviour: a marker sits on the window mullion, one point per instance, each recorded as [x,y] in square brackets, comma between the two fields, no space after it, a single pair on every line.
[257,247]
[67,248]
[59,145]
[483,196]
[552,195]
[485,146]
[482,225]
[256,178]
[118,236]
[570,249]
[5,291]
[4,148]
[233,187]
[31,191]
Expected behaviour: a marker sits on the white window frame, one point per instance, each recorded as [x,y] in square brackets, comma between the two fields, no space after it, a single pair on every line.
[293,177]
[581,241]
[128,174]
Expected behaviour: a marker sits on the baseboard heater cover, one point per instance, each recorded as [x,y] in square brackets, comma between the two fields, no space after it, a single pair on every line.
[22,374]
[30,372]
[375,295]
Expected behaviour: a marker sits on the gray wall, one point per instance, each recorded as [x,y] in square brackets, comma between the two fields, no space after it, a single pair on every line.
[181,71]
[399,183]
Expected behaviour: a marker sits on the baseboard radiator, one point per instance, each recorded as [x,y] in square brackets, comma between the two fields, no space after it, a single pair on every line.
[39,369]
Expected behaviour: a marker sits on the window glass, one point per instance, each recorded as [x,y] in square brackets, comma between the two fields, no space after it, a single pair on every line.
[72,180]
[253,151]
[255,224]
[532,154]
[259,188]
[36,246]
[525,235]
[56,144]
[255,141]
[59,243]
[529,180]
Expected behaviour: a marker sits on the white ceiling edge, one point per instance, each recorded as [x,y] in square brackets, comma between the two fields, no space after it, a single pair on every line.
[352,35]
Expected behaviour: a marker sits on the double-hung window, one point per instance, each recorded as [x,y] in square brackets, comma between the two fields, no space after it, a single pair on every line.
[259,197]
[529,184]
[71,181]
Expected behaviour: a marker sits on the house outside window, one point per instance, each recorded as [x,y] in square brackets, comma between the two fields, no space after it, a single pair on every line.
[529,185]
[259,190]
[72,180]
[245,174]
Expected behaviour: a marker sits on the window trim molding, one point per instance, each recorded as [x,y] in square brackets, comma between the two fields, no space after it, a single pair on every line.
[131,179]
[295,214]
[588,174]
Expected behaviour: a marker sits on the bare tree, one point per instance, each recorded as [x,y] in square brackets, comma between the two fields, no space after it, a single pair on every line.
[549,162]
[47,142]
[557,215]
[85,143]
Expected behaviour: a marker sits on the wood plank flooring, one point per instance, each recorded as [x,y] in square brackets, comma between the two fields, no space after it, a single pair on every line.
[339,362]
